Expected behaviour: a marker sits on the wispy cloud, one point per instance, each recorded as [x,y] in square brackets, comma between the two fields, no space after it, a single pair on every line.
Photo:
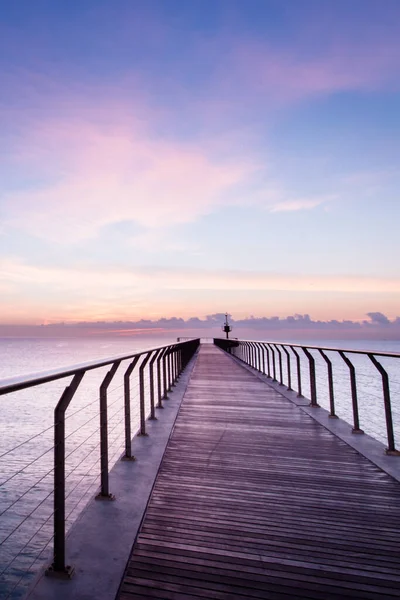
[300,204]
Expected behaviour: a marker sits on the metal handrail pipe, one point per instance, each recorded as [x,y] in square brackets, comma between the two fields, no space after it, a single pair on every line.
[327,348]
[13,384]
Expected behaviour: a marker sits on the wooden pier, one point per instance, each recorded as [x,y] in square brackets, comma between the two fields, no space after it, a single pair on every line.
[255,499]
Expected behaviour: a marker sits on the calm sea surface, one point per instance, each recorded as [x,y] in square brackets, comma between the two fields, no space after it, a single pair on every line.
[26,433]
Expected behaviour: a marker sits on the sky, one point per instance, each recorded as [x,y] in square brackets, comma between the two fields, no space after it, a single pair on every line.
[184,158]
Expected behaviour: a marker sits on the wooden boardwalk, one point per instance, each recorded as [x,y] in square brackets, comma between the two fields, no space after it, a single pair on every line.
[254,499]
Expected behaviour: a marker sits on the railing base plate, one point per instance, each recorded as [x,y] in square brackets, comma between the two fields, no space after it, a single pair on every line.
[357,431]
[101,496]
[129,458]
[333,417]
[392,452]
[66,573]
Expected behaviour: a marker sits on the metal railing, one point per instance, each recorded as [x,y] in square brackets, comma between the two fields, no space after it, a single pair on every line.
[283,363]
[156,369]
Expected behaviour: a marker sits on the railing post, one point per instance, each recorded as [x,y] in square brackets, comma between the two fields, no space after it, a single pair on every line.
[59,568]
[141,393]
[127,410]
[262,357]
[171,368]
[268,361]
[258,354]
[255,356]
[298,362]
[248,354]
[273,362]
[353,385]
[180,361]
[252,355]
[159,377]
[177,353]
[313,384]
[391,449]
[164,369]
[332,413]
[104,493]
[169,374]
[174,369]
[151,378]
[280,363]
[289,373]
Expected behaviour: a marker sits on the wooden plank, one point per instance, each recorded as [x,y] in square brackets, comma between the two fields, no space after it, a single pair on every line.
[254,499]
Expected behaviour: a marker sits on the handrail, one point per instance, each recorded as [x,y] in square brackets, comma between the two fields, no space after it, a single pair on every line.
[244,350]
[170,361]
[13,384]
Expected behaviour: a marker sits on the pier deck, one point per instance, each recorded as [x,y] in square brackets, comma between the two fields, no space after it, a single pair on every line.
[255,499]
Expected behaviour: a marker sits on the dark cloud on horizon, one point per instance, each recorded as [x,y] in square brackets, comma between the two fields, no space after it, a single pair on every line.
[297,321]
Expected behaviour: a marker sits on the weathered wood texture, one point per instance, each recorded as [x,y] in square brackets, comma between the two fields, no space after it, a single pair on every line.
[254,499]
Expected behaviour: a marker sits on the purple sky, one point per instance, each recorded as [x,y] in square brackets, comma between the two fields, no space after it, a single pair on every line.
[162,158]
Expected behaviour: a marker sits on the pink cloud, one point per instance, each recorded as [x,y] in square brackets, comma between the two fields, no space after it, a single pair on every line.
[100,162]
[300,204]
[108,168]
